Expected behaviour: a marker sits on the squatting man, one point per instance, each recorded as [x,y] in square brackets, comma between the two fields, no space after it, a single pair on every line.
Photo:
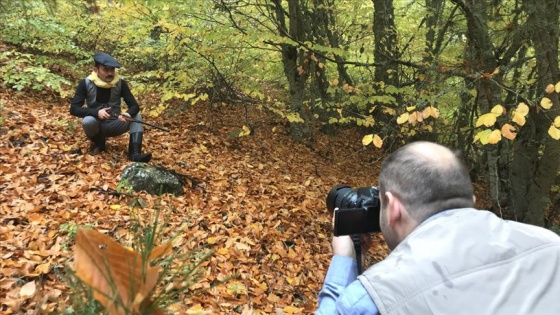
[447,257]
[102,92]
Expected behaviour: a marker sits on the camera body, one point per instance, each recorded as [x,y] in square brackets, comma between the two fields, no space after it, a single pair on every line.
[355,211]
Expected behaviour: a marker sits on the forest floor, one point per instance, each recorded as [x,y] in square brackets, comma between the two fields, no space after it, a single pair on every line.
[259,201]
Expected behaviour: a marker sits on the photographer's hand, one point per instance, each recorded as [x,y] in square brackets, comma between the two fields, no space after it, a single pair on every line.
[343,246]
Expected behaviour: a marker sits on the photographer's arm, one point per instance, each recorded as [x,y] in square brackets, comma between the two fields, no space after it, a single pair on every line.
[342,293]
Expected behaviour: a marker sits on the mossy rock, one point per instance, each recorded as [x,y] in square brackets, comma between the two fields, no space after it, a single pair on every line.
[155,180]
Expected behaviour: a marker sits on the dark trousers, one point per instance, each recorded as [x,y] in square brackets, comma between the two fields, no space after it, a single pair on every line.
[110,128]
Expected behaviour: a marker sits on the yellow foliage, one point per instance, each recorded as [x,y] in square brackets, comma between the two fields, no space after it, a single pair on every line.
[372,138]
[402,118]
[377,141]
[522,109]
[557,87]
[518,118]
[546,103]
[557,122]
[430,111]
[498,110]
[495,136]
[549,88]
[245,131]
[487,120]
[482,136]
[488,136]
[434,112]
[367,139]
[554,132]
[412,118]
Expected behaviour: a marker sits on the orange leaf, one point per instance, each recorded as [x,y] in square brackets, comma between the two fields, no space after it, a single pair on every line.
[120,280]
[508,131]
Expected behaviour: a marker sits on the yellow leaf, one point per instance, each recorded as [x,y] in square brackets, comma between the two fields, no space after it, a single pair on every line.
[419,117]
[508,131]
[334,82]
[487,120]
[554,132]
[367,139]
[292,310]
[377,141]
[201,166]
[410,108]
[495,136]
[115,207]
[402,118]
[434,112]
[236,288]
[546,103]
[28,290]
[211,240]
[557,87]
[245,131]
[412,117]
[549,88]
[222,251]
[422,77]
[557,122]
[518,118]
[43,268]
[522,109]
[426,112]
[483,136]
[498,110]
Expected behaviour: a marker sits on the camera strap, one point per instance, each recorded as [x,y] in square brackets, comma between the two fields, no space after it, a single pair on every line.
[358,251]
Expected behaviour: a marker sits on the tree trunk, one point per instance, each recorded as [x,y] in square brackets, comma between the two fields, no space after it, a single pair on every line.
[385,42]
[481,59]
[535,164]
[293,59]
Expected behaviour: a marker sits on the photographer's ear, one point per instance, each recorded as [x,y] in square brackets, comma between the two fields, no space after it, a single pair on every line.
[394,209]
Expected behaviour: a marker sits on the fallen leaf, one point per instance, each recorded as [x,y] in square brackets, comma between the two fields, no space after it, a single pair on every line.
[28,290]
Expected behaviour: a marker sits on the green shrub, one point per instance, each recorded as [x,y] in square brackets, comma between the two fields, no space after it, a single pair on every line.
[24,71]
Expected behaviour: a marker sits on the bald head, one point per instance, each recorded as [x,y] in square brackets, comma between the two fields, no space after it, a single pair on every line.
[427,178]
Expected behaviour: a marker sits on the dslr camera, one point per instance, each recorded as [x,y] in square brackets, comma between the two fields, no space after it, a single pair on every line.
[355,211]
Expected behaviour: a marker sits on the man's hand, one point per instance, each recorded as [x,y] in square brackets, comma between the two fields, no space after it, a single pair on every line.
[343,246]
[123,117]
[104,114]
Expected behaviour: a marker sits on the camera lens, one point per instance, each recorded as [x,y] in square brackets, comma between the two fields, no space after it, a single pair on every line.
[340,196]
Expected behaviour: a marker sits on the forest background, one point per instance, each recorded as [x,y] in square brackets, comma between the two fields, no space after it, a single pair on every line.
[349,81]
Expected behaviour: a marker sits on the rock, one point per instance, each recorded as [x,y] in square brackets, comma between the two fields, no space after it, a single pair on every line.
[152,179]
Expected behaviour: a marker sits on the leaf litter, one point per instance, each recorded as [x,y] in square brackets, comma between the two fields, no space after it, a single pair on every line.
[258,201]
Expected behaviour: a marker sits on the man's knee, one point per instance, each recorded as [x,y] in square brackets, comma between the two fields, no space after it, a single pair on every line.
[90,125]
[136,127]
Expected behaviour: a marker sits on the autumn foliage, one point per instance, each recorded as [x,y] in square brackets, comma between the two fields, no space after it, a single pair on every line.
[257,202]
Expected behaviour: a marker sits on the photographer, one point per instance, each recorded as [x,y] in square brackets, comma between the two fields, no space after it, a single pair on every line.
[447,257]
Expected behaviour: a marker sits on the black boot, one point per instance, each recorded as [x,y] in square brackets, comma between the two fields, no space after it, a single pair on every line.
[98,144]
[135,149]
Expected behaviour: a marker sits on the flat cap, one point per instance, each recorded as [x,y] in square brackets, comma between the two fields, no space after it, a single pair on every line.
[106,60]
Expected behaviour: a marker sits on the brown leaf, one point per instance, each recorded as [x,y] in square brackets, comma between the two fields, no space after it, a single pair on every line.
[121,281]
[28,290]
